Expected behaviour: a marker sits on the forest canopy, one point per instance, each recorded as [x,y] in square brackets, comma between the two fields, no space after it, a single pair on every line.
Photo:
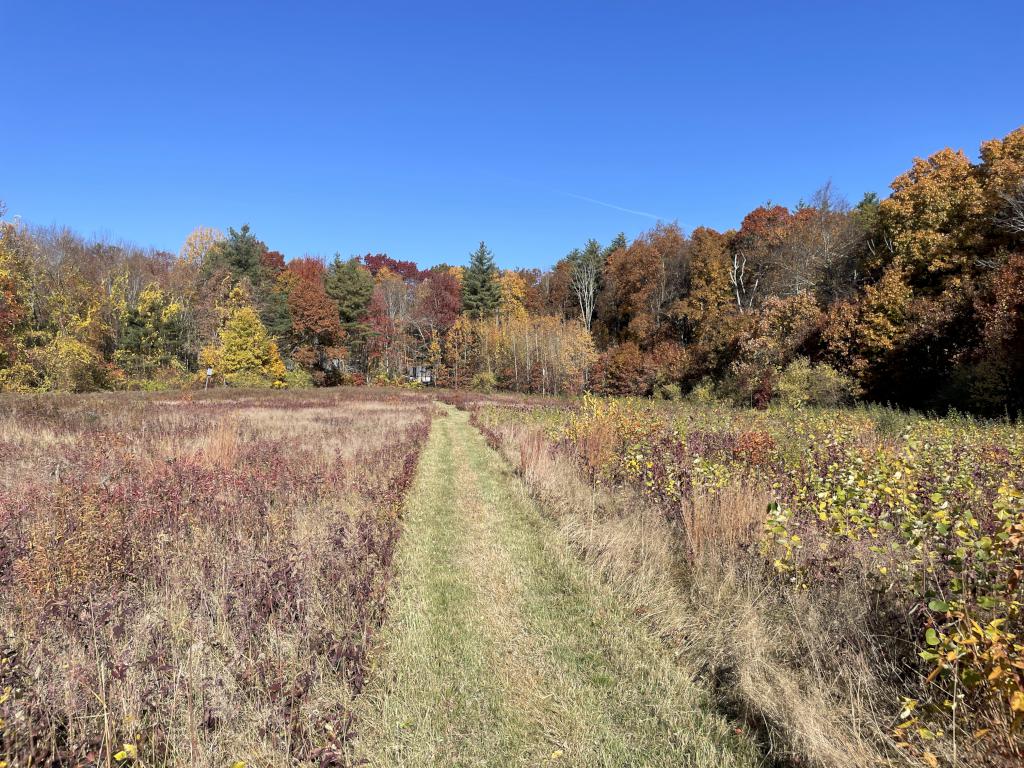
[916,299]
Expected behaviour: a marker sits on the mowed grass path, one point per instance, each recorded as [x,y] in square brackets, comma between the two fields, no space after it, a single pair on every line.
[502,649]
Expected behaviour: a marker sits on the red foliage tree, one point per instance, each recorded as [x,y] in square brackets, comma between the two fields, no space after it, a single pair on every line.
[383,334]
[622,370]
[315,324]
[534,298]
[642,281]
[308,268]
[273,262]
[757,250]
[439,301]
[406,269]
[668,363]
[1000,373]
[764,224]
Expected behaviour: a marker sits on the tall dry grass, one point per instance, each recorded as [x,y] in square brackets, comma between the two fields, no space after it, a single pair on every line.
[800,668]
[197,581]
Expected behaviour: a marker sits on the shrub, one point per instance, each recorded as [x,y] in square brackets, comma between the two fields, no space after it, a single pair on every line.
[382,379]
[483,382]
[667,392]
[174,375]
[349,379]
[19,377]
[621,370]
[704,392]
[890,423]
[753,375]
[298,378]
[894,538]
[802,383]
[69,365]
[195,576]
[247,380]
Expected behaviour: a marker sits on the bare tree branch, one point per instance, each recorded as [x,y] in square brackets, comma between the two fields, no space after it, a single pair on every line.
[1011,217]
[584,281]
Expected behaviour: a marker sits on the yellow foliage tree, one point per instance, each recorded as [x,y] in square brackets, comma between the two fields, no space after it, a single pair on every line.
[930,220]
[15,373]
[247,356]
[862,334]
[69,365]
[198,244]
[513,296]
[459,347]
[1002,163]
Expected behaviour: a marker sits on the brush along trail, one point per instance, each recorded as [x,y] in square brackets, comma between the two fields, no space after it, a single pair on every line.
[502,649]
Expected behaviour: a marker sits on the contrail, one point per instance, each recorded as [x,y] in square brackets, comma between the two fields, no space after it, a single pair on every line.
[584,198]
[615,207]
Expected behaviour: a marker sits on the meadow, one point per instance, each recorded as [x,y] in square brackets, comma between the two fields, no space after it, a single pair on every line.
[848,581]
[275,577]
[195,580]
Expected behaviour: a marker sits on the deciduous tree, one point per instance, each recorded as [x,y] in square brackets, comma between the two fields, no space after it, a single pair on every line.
[246,356]
[198,244]
[757,253]
[586,276]
[931,219]
[316,329]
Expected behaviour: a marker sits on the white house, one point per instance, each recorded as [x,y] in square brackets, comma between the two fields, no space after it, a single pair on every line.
[421,373]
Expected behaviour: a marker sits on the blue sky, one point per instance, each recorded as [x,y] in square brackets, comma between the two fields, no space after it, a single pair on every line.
[419,129]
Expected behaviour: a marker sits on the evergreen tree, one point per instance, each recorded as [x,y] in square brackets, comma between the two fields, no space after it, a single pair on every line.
[350,284]
[241,254]
[246,258]
[481,292]
[618,243]
[152,332]
[275,312]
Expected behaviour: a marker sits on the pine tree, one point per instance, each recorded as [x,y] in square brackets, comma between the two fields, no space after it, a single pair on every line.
[619,243]
[241,254]
[350,284]
[481,292]
[275,313]
[152,332]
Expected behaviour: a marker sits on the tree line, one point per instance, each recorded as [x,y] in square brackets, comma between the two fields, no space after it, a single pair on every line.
[917,299]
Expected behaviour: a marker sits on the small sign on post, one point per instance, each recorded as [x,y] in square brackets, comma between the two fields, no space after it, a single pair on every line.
[209,375]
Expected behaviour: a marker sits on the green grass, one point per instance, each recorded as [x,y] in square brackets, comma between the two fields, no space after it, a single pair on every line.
[503,649]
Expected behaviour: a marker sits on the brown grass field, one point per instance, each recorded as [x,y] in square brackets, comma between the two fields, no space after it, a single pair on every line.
[195,581]
[366,576]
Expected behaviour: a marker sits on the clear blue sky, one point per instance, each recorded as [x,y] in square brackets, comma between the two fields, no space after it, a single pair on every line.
[421,128]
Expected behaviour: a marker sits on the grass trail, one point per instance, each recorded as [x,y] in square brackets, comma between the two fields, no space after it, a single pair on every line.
[502,649]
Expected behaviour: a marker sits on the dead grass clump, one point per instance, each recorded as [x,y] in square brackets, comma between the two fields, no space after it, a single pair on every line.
[725,520]
[71,551]
[220,445]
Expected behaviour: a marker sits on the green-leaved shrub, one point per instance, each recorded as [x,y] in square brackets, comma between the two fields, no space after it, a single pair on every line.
[483,382]
[802,383]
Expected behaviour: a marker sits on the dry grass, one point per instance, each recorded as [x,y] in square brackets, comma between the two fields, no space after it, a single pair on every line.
[797,667]
[198,579]
[727,520]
